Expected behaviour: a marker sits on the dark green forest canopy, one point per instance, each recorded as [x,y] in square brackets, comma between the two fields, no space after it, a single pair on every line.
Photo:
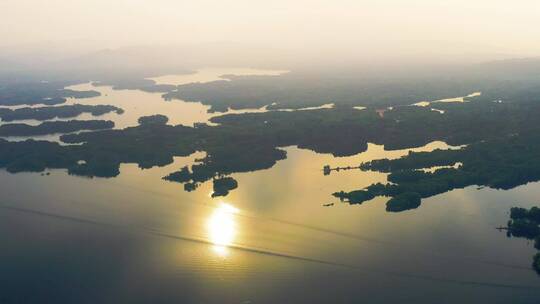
[501,163]
[33,93]
[153,119]
[46,113]
[299,90]
[403,201]
[223,185]
[53,127]
[501,136]
[525,223]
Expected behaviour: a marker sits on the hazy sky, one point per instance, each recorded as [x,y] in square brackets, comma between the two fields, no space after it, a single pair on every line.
[377,26]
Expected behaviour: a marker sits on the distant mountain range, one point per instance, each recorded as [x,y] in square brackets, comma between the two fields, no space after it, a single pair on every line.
[69,61]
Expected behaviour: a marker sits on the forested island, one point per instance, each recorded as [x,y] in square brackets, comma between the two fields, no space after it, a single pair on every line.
[526,224]
[153,119]
[54,127]
[46,113]
[222,186]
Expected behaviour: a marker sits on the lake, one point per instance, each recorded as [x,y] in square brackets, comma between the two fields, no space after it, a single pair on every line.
[139,239]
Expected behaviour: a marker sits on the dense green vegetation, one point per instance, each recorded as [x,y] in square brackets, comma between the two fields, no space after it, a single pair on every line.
[403,201]
[502,140]
[356,196]
[223,185]
[502,152]
[501,163]
[526,224]
[153,119]
[297,90]
[32,93]
[34,156]
[182,176]
[54,127]
[46,113]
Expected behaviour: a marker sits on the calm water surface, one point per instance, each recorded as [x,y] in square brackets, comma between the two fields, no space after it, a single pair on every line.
[135,238]
[213,74]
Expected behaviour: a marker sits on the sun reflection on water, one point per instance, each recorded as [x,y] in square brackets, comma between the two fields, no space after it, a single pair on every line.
[222,228]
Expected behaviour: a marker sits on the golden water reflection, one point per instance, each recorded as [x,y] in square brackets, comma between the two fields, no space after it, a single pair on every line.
[222,228]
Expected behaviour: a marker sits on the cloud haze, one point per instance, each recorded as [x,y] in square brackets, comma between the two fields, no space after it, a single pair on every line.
[368,29]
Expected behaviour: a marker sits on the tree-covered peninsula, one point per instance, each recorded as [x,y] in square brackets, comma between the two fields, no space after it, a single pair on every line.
[42,92]
[54,127]
[46,113]
[525,223]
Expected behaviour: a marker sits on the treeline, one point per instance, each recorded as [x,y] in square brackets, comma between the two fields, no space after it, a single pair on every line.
[299,89]
[46,113]
[33,93]
[54,127]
